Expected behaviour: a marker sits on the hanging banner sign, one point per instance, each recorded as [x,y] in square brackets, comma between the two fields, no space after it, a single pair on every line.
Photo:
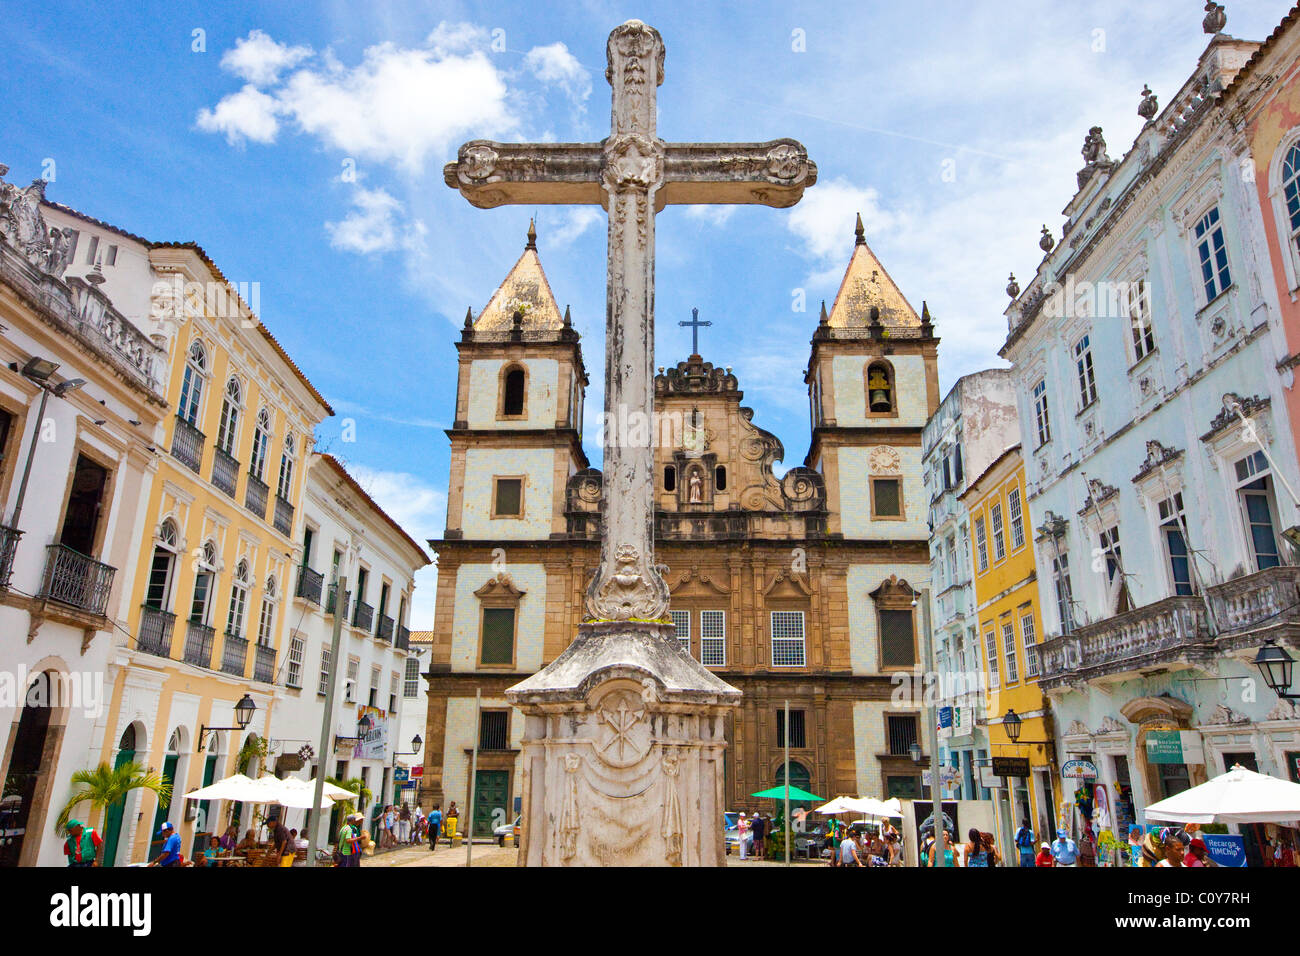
[1011,766]
[1225,849]
[1175,746]
[1079,770]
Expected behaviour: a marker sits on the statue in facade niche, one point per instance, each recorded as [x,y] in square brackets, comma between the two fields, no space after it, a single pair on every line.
[695,487]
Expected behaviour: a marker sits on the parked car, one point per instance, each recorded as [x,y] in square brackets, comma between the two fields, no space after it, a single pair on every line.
[508,829]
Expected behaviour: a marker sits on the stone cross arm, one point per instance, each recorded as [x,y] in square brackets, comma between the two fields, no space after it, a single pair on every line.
[490,174]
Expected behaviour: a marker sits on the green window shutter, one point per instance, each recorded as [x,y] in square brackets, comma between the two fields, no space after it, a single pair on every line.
[498,639]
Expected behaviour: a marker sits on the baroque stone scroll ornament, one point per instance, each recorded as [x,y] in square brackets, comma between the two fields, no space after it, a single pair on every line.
[569,816]
[670,828]
[630,593]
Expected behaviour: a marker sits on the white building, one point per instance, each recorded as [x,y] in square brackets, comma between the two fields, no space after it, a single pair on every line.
[81,394]
[414,704]
[1159,512]
[347,534]
[969,431]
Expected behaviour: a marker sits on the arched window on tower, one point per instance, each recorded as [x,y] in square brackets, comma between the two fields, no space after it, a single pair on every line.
[670,478]
[512,399]
[880,388]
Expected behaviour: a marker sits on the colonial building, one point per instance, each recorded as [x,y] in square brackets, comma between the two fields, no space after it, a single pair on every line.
[204,624]
[345,533]
[83,392]
[797,587]
[967,433]
[1150,363]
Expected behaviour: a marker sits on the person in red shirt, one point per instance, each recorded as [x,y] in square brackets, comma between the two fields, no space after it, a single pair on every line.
[82,845]
[1044,857]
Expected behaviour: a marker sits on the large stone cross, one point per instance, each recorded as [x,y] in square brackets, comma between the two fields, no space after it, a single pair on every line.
[633,174]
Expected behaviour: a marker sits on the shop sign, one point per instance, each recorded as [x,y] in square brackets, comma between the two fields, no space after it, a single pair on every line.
[945,717]
[1225,849]
[1080,769]
[417,771]
[401,775]
[1175,746]
[374,743]
[1011,766]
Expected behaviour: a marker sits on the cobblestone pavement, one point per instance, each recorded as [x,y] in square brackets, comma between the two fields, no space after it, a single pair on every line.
[489,854]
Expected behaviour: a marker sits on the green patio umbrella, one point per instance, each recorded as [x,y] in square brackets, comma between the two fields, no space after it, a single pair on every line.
[797,795]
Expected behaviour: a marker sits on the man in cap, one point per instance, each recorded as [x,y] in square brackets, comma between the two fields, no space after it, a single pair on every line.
[349,841]
[171,848]
[1065,851]
[82,845]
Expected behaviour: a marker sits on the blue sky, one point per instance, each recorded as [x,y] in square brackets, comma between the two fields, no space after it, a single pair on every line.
[303,146]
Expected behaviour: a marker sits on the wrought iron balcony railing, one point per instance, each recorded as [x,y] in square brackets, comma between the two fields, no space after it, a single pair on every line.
[155,632]
[403,641]
[255,496]
[234,654]
[310,585]
[225,471]
[76,580]
[283,516]
[264,663]
[199,640]
[8,548]
[329,600]
[364,616]
[187,444]
[385,631]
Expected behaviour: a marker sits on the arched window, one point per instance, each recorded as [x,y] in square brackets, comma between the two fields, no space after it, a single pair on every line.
[238,600]
[196,366]
[284,487]
[720,478]
[158,591]
[261,440]
[1291,194]
[513,392]
[266,621]
[201,603]
[229,424]
[880,388]
[670,478]
[799,777]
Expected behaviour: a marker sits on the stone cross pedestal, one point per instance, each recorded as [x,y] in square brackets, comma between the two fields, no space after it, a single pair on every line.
[624,740]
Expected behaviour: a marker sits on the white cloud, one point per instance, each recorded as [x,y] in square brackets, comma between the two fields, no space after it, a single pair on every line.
[456,38]
[824,219]
[260,60]
[248,114]
[398,105]
[554,65]
[573,224]
[376,224]
[716,215]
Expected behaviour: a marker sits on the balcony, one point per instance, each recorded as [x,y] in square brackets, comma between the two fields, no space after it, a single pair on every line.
[364,616]
[187,444]
[199,640]
[1247,611]
[264,663]
[225,471]
[403,642]
[8,548]
[255,496]
[234,655]
[75,580]
[155,632]
[330,600]
[385,632]
[310,585]
[283,516]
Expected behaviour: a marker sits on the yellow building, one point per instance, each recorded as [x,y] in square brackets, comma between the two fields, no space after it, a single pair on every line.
[216,571]
[1007,609]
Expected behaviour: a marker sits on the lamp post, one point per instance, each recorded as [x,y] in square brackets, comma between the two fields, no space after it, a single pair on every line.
[416,743]
[327,715]
[932,718]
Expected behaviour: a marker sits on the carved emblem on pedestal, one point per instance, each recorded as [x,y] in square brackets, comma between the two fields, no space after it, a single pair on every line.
[479,163]
[785,161]
[569,816]
[624,731]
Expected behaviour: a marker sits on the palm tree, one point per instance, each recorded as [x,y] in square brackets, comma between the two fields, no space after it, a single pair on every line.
[357,786]
[105,786]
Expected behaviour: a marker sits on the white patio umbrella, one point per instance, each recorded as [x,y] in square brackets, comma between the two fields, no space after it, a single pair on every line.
[1238,796]
[297,794]
[235,787]
[838,805]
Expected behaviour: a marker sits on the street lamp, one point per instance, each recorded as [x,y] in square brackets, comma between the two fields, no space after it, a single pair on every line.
[1275,665]
[1011,725]
[243,716]
[915,752]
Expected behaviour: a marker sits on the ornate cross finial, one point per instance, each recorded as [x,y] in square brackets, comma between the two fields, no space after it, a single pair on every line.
[695,325]
[859,233]
[532,236]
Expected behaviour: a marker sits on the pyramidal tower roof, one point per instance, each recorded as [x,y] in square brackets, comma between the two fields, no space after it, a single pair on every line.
[866,285]
[524,290]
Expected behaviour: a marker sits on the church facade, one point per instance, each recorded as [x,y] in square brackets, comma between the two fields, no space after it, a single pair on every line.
[791,587]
